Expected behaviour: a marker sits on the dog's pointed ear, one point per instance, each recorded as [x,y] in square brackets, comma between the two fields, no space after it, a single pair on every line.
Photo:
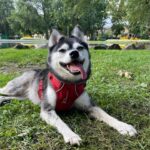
[78,33]
[54,38]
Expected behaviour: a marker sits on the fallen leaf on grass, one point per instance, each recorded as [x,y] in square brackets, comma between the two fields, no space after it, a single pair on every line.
[126,74]
[24,133]
[144,85]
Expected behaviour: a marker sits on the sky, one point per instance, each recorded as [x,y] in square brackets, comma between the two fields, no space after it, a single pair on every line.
[108,23]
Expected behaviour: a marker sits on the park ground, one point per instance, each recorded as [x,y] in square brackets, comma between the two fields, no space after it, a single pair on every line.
[128,100]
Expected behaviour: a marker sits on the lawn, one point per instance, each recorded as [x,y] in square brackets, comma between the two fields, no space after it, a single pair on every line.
[128,100]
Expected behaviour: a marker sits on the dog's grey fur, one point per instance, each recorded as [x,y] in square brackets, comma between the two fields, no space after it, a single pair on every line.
[26,86]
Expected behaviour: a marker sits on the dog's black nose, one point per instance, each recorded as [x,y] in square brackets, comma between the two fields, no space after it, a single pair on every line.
[74,54]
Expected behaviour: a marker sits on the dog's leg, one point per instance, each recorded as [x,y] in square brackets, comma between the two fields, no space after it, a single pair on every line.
[50,116]
[84,103]
[121,127]
[18,86]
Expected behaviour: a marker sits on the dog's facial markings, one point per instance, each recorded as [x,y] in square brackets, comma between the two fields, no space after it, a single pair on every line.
[69,58]
[63,48]
[78,46]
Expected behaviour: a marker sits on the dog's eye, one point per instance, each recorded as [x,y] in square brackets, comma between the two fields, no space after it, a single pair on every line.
[62,50]
[80,48]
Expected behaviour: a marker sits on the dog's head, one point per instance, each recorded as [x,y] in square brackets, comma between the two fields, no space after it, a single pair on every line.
[69,58]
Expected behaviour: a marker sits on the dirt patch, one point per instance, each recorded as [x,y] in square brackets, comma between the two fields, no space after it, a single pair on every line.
[14,68]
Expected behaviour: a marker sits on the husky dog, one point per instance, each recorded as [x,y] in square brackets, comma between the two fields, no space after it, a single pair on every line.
[61,86]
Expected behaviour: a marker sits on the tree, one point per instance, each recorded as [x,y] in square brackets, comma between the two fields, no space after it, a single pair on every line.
[6,8]
[25,19]
[117,10]
[139,16]
[63,14]
[117,28]
[89,14]
[46,11]
[32,16]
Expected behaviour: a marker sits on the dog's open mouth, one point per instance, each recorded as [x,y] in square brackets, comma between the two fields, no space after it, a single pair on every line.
[75,68]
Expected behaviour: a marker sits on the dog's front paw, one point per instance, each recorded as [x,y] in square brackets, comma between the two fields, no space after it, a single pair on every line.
[126,129]
[72,138]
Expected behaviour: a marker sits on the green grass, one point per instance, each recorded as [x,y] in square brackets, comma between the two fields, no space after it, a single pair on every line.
[128,100]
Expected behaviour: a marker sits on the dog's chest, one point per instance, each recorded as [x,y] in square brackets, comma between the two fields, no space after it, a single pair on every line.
[66,93]
[66,96]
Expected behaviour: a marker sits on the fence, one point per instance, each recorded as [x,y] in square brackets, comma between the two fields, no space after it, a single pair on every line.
[36,41]
[91,43]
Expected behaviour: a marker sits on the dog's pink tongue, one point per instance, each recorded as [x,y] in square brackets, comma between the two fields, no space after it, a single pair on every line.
[78,67]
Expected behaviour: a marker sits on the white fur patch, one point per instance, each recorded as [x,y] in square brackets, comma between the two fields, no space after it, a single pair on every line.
[76,45]
[51,96]
[64,46]
[85,55]
[33,93]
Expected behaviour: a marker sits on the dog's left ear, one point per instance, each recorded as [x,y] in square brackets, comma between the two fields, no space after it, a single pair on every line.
[54,38]
[78,34]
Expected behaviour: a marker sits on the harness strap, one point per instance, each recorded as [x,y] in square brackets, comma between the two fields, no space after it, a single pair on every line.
[40,89]
[66,93]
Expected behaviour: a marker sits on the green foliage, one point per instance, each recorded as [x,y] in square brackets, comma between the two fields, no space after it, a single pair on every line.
[117,29]
[31,17]
[6,8]
[138,16]
[128,100]
[41,15]
[117,9]
[133,14]
[91,15]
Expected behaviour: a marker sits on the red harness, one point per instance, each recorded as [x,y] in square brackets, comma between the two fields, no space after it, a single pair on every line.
[66,93]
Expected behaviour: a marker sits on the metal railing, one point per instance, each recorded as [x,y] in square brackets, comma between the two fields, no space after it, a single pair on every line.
[36,41]
[115,41]
[42,41]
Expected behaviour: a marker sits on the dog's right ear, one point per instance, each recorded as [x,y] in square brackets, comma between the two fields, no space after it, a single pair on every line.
[54,38]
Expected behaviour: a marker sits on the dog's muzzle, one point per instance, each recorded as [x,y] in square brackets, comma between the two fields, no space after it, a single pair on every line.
[75,67]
